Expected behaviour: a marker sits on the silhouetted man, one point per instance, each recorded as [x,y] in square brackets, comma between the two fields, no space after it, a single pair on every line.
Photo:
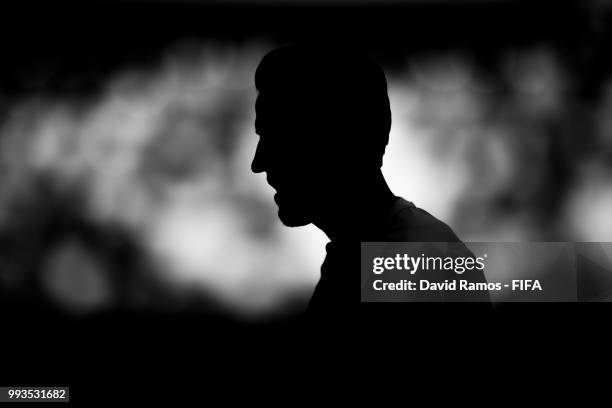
[323,118]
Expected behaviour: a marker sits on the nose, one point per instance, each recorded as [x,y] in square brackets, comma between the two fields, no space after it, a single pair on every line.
[257,165]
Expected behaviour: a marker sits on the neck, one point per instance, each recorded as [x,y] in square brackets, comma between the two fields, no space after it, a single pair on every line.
[368,206]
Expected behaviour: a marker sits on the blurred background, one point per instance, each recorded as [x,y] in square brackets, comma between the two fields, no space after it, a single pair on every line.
[127,133]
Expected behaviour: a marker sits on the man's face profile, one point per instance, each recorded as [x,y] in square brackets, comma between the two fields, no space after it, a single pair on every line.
[323,119]
[297,165]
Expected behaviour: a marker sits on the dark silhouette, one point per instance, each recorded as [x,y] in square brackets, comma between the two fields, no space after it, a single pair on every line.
[323,118]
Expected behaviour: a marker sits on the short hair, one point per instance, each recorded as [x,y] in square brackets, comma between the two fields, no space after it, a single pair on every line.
[343,83]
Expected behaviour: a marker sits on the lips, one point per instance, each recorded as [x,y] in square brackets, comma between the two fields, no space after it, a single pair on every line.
[272,184]
[275,186]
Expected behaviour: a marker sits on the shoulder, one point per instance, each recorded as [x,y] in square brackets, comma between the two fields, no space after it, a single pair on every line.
[409,223]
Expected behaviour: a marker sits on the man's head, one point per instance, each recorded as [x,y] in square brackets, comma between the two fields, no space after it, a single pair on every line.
[323,119]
